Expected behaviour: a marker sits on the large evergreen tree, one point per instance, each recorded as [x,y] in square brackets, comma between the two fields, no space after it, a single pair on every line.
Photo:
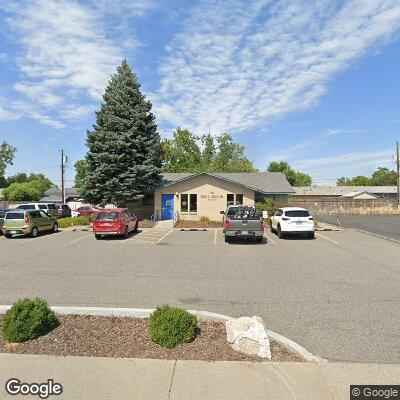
[123,161]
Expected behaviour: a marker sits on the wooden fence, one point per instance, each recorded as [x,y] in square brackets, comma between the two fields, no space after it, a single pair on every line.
[357,207]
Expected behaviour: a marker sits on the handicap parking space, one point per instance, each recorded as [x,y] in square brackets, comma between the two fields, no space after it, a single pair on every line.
[149,236]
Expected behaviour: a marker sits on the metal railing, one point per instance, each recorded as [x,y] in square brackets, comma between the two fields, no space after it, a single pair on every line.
[176,218]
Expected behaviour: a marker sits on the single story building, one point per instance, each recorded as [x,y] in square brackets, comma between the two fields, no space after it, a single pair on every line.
[337,193]
[196,195]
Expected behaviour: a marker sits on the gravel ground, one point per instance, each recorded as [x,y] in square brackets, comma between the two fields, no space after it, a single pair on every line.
[128,337]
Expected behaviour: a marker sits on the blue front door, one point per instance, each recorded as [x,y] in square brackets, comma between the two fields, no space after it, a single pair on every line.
[167,206]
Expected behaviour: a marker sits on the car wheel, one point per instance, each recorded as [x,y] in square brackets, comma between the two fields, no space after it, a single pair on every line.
[280,233]
[98,237]
[34,232]
[227,239]
[136,227]
[270,227]
[259,239]
[8,236]
[310,235]
[55,227]
[126,232]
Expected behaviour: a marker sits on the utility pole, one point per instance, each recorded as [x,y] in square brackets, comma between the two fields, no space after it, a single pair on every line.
[398,174]
[63,161]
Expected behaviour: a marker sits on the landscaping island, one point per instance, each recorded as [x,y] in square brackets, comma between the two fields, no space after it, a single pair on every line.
[121,337]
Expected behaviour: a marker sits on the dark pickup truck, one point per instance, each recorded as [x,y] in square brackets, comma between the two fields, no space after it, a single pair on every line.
[243,222]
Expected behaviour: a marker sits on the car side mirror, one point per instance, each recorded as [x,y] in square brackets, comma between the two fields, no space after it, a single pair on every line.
[222,212]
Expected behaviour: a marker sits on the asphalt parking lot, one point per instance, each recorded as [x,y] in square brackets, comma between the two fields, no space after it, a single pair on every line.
[337,295]
[382,225]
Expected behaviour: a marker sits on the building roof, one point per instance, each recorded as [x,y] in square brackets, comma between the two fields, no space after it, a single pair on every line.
[341,190]
[262,182]
[358,193]
[54,194]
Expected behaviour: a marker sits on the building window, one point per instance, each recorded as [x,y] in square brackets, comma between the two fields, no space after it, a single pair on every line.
[193,203]
[239,199]
[184,203]
[230,199]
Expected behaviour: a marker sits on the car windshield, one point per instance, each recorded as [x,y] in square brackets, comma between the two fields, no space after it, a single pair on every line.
[15,215]
[297,213]
[26,207]
[107,215]
[231,211]
[43,206]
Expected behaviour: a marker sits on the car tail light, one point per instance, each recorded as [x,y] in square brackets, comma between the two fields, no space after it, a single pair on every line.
[26,219]
[310,218]
[285,219]
[227,224]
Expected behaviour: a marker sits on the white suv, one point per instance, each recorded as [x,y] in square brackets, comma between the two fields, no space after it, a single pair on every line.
[49,208]
[292,220]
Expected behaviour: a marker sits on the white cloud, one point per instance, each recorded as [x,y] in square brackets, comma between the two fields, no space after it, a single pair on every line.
[326,170]
[337,132]
[355,159]
[6,115]
[234,67]
[64,46]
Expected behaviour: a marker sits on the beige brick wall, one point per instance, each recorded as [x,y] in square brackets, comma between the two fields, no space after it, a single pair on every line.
[211,196]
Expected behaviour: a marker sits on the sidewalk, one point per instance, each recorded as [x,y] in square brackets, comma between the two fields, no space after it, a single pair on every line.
[104,378]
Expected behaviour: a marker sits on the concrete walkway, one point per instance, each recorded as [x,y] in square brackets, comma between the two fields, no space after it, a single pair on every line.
[167,224]
[106,378]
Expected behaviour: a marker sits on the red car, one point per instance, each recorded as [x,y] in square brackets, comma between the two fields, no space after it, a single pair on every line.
[88,210]
[119,221]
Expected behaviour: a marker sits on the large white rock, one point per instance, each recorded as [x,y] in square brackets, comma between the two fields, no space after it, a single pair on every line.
[248,335]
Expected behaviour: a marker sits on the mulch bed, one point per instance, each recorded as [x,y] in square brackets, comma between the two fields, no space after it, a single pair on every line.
[95,336]
[196,224]
[146,223]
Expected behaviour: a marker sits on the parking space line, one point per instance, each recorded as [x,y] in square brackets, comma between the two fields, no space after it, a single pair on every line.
[270,239]
[168,233]
[84,237]
[376,235]
[326,238]
[216,236]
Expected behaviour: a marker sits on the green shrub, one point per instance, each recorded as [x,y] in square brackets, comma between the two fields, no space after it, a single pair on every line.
[170,326]
[28,319]
[204,221]
[267,205]
[74,221]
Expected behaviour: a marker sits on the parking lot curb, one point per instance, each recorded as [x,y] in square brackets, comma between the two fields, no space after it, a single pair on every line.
[206,315]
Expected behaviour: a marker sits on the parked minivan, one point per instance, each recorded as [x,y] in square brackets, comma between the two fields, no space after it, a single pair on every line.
[28,222]
[49,208]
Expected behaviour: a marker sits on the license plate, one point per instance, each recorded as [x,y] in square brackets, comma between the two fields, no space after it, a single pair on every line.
[299,222]
[13,232]
[245,232]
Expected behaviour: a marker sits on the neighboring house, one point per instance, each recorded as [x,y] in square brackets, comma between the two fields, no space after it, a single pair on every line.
[321,193]
[195,195]
[359,196]
[53,195]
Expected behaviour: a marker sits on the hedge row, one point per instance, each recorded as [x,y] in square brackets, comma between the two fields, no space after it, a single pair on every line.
[74,221]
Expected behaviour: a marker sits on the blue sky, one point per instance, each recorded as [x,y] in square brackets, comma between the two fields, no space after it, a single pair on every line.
[315,83]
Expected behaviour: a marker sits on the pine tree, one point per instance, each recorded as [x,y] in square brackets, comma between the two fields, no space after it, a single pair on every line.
[123,161]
